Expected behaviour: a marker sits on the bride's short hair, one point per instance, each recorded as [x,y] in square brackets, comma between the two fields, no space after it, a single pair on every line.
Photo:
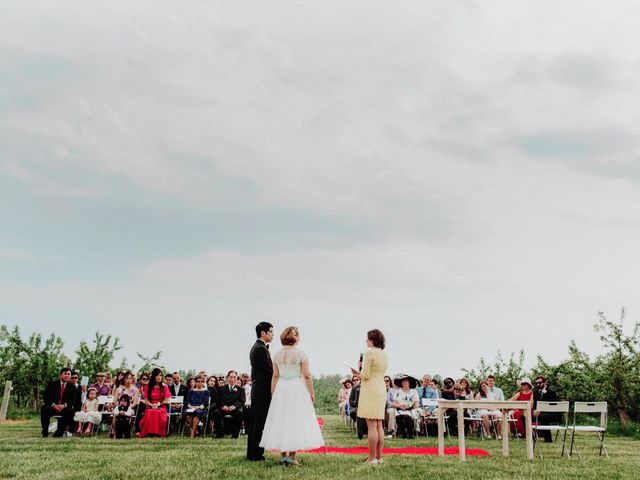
[289,336]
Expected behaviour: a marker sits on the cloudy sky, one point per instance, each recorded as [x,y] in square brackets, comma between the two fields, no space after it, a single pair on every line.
[462,175]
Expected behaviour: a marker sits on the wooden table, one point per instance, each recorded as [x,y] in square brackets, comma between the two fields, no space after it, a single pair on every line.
[461,405]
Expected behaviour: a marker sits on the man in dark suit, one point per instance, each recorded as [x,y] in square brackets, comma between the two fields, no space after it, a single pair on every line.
[177,389]
[59,399]
[543,393]
[261,375]
[228,412]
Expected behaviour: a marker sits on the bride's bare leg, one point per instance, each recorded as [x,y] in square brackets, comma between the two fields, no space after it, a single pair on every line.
[292,456]
[372,437]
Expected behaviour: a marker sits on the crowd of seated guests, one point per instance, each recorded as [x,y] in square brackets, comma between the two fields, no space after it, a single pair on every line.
[412,409]
[156,405]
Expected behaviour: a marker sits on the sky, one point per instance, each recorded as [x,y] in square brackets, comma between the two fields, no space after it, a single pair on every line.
[463,175]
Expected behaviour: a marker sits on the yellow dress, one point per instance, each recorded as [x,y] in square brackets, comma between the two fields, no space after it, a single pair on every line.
[373,393]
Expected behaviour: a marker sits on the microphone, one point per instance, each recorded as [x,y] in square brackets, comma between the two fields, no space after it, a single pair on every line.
[360,362]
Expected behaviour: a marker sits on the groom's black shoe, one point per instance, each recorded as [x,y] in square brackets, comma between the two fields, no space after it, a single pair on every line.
[259,459]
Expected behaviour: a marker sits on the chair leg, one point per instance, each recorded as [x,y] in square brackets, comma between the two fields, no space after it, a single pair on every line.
[564,440]
[602,447]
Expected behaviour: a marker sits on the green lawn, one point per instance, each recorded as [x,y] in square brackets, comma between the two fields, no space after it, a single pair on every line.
[23,454]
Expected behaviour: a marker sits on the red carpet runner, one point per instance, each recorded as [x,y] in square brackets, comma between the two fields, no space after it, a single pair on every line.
[478,452]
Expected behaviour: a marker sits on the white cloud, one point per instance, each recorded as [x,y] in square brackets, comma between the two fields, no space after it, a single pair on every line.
[404,121]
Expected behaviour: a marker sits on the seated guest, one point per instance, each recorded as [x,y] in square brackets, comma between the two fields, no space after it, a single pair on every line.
[354,399]
[88,413]
[248,413]
[525,394]
[466,386]
[343,396]
[426,391]
[143,390]
[59,398]
[103,389]
[406,403]
[390,413]
[190,384]
[543,393]
[177,389]
[497,392]
[197,405]
[127,387]
[77,405]
[228,412]
[168,380]
[154,420]
[484,393]
[122,416]
[212,386]
[459,393]
[447,389]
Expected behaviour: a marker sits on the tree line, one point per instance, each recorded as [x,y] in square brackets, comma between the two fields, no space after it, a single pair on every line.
[612,376]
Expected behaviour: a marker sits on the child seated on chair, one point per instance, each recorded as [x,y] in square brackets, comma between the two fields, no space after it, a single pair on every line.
[89,413]
[122,416]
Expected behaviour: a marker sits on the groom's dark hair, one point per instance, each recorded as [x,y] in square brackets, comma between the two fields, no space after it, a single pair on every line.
[263,327]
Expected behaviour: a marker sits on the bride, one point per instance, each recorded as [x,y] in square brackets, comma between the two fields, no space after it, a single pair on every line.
[291,423]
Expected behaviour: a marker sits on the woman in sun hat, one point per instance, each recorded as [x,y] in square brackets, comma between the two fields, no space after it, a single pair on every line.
[525,394]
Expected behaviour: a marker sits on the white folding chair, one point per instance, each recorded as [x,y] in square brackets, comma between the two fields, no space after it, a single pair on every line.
[102,401]
[174,400]
[600,408]
[427,403]
[552,407]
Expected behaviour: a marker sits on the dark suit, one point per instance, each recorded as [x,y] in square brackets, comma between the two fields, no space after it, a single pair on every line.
[261,376]
[229,397]
[177,391]
[52,395]
[361,423]
[546,418]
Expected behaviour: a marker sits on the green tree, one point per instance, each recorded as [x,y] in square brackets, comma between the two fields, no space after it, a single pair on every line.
[150,362]
[507,372]
[98,356]
[620,363]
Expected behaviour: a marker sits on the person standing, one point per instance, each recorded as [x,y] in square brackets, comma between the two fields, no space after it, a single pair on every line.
[261,375]
[373,393]
[292,423]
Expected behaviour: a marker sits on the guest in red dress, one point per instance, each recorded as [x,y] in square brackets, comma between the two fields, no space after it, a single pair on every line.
[524,395]
[156,397]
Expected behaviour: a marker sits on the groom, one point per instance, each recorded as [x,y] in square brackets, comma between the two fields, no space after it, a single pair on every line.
[261,374]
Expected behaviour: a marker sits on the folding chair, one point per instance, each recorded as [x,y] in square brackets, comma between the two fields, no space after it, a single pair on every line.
[426,404]
[552,407]
[600,430]
[175,400]
[102,400]
[475,419]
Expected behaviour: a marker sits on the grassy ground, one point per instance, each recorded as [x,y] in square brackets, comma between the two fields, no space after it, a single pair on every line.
[23,454]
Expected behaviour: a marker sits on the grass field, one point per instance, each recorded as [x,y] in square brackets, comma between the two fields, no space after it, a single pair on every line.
[23,454]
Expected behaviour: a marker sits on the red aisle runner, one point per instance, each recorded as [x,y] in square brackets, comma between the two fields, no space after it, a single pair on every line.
[478,452]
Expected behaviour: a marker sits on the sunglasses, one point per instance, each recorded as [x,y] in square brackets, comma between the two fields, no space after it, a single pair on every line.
[145,379]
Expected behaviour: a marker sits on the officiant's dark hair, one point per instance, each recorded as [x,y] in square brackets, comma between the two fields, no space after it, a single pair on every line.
[263,327]
[377,337]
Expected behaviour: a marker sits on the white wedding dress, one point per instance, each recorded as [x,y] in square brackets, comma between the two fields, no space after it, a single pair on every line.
[291,423]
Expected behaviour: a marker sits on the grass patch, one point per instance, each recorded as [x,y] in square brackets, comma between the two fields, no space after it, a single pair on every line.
[25,455]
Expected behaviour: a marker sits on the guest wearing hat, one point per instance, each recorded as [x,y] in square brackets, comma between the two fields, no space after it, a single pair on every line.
[406,403]
[525,394]
[343,396]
